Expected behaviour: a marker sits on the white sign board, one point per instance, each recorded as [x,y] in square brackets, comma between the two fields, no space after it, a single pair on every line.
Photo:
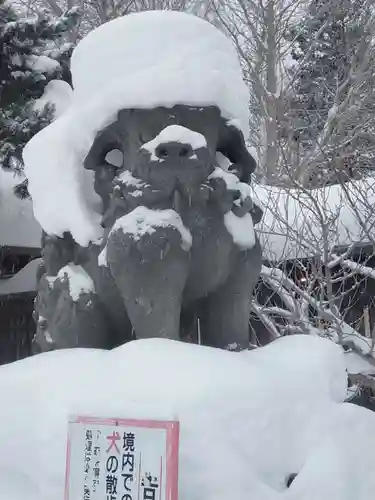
[117,459]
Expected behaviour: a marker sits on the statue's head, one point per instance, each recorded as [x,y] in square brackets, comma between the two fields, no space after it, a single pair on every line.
[157,95]
[170,149]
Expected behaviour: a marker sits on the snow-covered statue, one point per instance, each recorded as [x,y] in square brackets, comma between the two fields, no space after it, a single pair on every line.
[142,189]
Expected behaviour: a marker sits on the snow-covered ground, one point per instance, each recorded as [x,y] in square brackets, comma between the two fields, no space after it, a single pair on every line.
[248,420]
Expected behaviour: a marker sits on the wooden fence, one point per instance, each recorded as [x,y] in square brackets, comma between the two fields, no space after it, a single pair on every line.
[17,326]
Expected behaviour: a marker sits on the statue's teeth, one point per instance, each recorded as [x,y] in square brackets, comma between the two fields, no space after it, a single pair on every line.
[176,201]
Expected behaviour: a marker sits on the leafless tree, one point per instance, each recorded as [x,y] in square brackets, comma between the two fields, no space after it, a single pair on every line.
[319,274]
[347,138]
[257,28]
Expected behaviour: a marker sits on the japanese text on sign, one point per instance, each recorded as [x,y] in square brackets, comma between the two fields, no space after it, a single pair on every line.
[121,459]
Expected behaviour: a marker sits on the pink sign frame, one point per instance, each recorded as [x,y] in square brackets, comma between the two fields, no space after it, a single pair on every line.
[172,451]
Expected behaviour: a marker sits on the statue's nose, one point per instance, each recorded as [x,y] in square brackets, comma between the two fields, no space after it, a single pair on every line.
[173,151]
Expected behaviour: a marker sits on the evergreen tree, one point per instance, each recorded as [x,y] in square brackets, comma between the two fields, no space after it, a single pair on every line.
[332,89]
[33,51]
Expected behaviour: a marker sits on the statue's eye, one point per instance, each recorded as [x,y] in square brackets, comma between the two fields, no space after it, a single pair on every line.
[115,157]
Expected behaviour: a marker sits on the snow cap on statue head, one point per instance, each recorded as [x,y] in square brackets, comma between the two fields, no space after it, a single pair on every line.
[161,58]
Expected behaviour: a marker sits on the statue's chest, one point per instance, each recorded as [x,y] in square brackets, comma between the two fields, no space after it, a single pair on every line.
[212,254]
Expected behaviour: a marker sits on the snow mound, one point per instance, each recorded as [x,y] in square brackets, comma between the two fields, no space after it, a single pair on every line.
[241,229]
[58,93]
[356,364]
[142,60]
[128,179]
[231,180]
[79,281]
[248,420]
[42,64]
[175,133]
[143,221]
[47,158]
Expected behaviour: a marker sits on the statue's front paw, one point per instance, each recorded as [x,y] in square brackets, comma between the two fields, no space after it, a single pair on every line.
[242,206]
[146,235]
[220,195]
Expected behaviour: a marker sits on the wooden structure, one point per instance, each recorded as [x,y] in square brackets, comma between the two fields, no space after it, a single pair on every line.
[20,237]
[17,326]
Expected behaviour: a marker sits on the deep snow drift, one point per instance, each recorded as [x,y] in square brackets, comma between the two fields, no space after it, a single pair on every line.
[248,419]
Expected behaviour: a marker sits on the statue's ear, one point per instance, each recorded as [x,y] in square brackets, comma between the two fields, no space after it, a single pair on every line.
[232,145]
[106,149]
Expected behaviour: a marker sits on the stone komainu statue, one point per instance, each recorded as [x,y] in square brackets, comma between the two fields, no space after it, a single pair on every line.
[170,175]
